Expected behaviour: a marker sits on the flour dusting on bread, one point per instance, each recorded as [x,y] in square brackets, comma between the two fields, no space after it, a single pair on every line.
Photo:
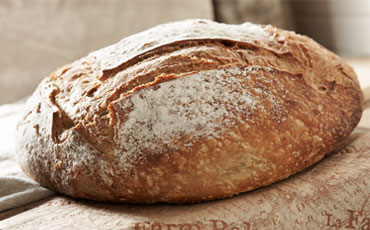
[195,105]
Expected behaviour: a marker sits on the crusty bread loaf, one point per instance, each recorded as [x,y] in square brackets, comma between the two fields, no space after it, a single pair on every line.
[188,111]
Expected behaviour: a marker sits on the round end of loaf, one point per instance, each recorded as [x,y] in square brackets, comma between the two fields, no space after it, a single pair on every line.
[186,112]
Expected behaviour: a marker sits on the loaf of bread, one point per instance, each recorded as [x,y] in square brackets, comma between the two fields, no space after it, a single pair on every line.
[186,112]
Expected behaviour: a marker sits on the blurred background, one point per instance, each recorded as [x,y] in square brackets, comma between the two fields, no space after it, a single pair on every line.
[38,36]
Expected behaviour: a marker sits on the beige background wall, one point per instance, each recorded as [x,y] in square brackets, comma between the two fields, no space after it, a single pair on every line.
[38,36]
[276,12]
[339,25]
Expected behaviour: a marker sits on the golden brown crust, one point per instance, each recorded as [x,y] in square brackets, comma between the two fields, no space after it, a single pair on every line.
[197,115]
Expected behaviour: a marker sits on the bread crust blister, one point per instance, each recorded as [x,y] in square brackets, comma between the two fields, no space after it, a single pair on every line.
[186,112]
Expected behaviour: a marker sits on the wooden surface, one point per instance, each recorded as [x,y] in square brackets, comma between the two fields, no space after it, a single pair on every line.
[333,194]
